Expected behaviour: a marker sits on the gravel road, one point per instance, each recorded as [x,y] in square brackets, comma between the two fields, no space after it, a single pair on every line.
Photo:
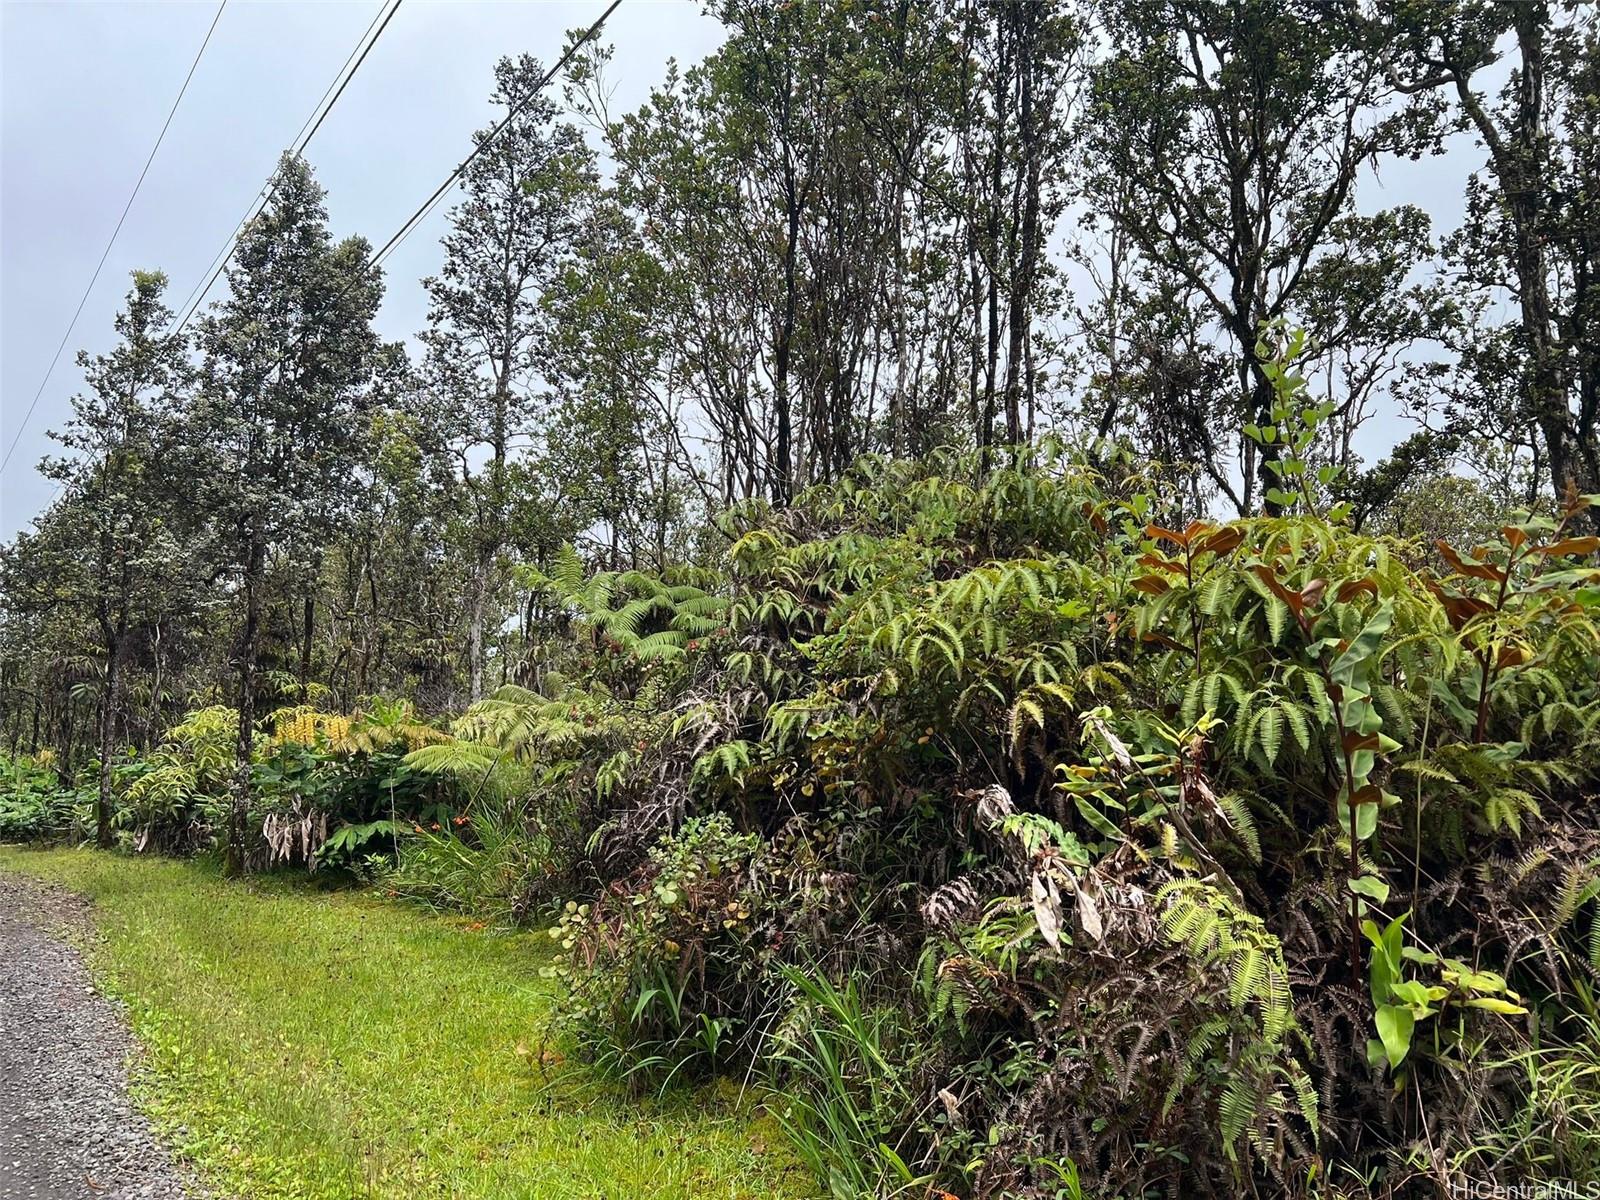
[67,1129]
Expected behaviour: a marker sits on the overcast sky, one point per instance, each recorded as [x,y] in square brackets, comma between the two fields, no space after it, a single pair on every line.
[87,85]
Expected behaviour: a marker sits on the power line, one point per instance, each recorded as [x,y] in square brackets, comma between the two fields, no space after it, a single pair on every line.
[207,276]
[308,130]
[432,201]
[84,299]
[410,224]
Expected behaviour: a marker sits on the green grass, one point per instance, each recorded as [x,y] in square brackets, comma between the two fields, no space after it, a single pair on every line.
[328,1045]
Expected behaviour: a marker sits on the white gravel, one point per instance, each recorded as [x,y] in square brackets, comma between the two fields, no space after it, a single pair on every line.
[67,1129]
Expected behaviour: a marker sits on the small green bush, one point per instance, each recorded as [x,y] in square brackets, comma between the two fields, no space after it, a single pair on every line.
[33,802]
[498,863]
[662,969]
[846,1079]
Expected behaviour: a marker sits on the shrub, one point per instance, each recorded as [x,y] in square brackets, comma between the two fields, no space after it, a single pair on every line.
[1140,805]
[663,967]
[496,863]
[1554,1134]
[174,798]
[33,803]
[326,788]
[846,1078]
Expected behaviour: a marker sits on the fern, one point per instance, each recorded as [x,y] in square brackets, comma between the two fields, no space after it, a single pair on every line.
[727,762]
[457,757]
[1243,822]
[1269,731]
[1216,931]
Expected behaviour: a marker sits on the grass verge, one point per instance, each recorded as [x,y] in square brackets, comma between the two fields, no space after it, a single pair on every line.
[311,1045]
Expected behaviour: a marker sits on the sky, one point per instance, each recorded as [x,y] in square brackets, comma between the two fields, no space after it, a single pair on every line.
[84,87]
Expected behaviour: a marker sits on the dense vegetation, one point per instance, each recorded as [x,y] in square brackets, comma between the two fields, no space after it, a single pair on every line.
[755,586]
[1015,839]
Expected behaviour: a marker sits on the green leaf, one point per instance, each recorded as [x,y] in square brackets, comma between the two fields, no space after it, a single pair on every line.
[1414,993]
[1318,692]
[1372,888]
[1395,1023]
[1271,730]
[1277,613]
[1354,664]
[895,1161]
[1297,723]
[1097,819]
[1366,820]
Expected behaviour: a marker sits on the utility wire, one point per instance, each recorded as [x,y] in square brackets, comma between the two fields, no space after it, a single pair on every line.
[308,130]
[432,201]
[105,254]
[207,276]
[410,224]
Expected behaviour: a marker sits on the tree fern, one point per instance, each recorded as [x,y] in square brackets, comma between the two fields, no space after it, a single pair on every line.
[467,759]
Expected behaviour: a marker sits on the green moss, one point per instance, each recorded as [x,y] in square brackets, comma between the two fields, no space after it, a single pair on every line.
[323,1046]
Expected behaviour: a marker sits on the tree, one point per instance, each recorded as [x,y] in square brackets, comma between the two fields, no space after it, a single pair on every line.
[615,452]
[392,577]
[1226,140]
[719,169]
[1533,216]
[487,339]
[277,412]
[1014,140]
[114,547]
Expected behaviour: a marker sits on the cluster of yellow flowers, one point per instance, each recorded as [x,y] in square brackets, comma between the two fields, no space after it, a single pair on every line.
[308,727]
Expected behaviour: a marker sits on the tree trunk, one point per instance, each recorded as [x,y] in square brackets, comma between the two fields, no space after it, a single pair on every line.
[69,728]
[1518,157]
[1253,380]
[239,815]
[1026,18]
[1521,174]
[782,483]
[158,658]
[108,725]
[307,631]
[475,620]
[997,156]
